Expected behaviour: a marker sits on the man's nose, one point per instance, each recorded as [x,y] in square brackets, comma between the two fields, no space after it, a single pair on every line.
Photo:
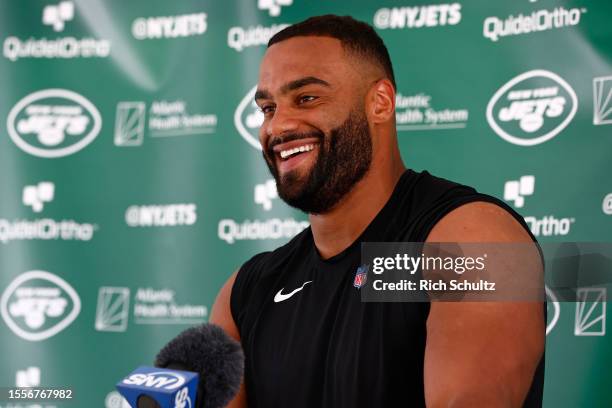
[282,122]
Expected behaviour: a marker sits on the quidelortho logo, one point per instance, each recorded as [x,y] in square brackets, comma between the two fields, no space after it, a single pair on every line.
[231,231]
[167,215]
[416,112]
[273,6]
[56,16]
[30,377]
[34,197]
[186,25]
[112,312]
[240,38]
[264,194]
[166,119]
[248,118]
[37,305]
[549,225]
[496,28]
[532,108]
[606,205]
[53,123]
[37,195]
[590,312]
[434,15]
[516,190]
[602,100]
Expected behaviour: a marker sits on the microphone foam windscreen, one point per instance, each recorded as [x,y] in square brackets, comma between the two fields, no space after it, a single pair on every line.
[209,351]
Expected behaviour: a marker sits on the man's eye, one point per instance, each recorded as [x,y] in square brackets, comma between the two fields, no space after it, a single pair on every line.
[267,109]
[306,98]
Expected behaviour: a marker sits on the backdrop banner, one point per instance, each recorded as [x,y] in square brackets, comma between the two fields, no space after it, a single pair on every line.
[132,183]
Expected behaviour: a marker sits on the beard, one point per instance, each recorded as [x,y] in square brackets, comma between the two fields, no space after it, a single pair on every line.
[344,157]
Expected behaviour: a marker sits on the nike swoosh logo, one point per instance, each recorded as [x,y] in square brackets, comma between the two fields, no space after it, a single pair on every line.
[280,297]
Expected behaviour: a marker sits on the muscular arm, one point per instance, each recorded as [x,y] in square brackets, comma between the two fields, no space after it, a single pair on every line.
[221,315]
[481,353]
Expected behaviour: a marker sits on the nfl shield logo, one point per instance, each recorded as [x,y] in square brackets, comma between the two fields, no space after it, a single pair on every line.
[361,276]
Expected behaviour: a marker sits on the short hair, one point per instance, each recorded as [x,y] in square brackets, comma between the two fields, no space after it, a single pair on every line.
[356,36]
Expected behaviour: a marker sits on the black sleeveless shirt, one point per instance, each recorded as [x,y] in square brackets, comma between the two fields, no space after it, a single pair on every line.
[308,339]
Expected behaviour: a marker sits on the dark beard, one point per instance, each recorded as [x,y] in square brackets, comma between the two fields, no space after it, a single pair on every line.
[343,160]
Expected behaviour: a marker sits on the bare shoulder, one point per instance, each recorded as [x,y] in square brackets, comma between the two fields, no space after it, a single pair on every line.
[494,355]
[478,221]
[221,313]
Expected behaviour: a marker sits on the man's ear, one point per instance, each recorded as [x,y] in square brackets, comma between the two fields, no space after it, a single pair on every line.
[380,102]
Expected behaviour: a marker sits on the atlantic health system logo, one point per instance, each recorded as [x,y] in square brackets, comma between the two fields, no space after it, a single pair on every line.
[602,100]
[532,108]
[53,123]
[153,306]
[165,119]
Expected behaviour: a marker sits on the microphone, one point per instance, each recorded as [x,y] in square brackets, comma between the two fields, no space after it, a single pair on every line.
[154,387]
[204,357]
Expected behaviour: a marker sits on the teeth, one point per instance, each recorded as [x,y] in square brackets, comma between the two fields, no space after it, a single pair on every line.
[300,149]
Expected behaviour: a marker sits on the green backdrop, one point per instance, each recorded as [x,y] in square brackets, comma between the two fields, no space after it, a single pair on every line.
[131,185]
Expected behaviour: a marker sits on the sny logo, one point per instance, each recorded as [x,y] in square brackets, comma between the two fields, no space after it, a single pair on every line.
[516,190]
[35,196]
[361,276]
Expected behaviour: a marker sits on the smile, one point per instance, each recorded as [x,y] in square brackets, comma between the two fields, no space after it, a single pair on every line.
[285,154]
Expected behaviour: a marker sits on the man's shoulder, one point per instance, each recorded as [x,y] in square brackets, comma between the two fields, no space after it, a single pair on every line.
[431,199]
[435,185]
[268,262]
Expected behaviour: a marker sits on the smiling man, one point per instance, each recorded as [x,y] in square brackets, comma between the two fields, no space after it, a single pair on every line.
[327,91]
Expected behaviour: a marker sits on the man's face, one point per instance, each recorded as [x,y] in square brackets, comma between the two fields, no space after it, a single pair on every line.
[315,135]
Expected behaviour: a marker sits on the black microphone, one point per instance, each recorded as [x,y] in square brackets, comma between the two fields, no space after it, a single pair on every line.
[216,357]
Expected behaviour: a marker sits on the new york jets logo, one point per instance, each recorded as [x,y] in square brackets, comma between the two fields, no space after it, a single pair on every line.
[37,305]
[532,108]
[248,119]
[53,123]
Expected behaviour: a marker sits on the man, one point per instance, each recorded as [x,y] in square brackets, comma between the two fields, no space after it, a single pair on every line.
[327,91]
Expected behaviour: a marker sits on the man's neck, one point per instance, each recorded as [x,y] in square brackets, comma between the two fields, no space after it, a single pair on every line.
[336,230]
